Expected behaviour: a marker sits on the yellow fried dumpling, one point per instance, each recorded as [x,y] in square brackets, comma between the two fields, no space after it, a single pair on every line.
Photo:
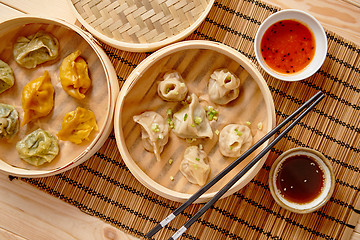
[74,75]
[37,98]
[77,125]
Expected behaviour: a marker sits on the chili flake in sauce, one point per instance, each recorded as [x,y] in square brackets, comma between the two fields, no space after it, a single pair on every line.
[288,46]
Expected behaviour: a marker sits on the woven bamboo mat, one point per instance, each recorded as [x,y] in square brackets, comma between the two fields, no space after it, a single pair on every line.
[104,187]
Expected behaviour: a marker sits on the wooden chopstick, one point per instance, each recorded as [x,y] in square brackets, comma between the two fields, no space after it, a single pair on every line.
[305,108]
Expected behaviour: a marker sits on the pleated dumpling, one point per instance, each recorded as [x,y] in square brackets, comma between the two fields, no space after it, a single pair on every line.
[37,98]
[77,125]
[234,140]
[173,87]
[191,121]
[35,49]
[223,86]
[7,79]
[154,132]
[9,121]
[195,165]
[38,147]
[74,75]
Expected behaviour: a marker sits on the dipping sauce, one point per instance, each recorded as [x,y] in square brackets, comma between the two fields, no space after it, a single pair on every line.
[300,179]
[288,46]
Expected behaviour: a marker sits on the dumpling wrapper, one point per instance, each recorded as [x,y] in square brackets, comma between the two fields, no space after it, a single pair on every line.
[173,87]
[7,78]
[77,125]
[38,147]
[191,121]
[234,140]
[37,98]
[223,86]
[195,166]
[74,75]
[154,132]
[35,49]
[9,121]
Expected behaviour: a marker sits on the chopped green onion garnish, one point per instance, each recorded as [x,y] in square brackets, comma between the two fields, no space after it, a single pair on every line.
[248,123]
[169,112]
[171,178]
[197,120]
[238,132]
[155,127]
[167,90]
[171,161]
[185,116]
[197,159]
[217,132]
[260,125]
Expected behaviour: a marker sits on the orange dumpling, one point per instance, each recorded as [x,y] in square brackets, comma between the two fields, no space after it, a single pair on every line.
[37,98]
[74,75]
[77,125]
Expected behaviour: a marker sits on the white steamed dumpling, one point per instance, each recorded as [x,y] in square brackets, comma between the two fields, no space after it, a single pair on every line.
[195,166]
[234,140]
[154,132]
[223,86]
[191,121]
[173,87]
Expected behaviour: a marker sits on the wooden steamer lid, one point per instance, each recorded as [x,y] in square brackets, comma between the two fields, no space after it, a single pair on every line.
[140,26]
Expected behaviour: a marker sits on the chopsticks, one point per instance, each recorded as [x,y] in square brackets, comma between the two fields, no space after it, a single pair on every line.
[304,109]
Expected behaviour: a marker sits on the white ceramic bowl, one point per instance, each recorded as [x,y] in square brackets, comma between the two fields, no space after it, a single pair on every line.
[313,25]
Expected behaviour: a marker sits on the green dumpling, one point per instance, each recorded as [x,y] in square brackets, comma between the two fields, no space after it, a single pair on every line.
[38,147]
[35,49]
[9,121]
[6,77]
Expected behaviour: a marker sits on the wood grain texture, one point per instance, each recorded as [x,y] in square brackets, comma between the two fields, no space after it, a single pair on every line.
[25,208]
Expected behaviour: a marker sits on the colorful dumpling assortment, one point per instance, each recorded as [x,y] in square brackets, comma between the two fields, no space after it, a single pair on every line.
[195,165]
[154,132]
[38,48]
[9,121]
[74,75]
[223,86]
[37,98]
[38,147]
[77,125]
[192,121]
[173,87]
[7,79]
[234,140]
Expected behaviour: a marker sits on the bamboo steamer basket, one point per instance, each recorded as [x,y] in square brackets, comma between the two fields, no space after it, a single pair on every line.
[101,97]
[140,26]
[195,60]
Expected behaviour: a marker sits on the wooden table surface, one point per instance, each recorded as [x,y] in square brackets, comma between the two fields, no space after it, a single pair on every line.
[28,213]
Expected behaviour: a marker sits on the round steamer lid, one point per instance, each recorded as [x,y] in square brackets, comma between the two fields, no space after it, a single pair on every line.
[140,25]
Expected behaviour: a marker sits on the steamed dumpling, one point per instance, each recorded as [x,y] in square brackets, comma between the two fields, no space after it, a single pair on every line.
[234,140]
[77,125]
[35,49]
[223,86]
[172,88]
[74,75]
[38,147]
[6,77]
[37,98]
[191,121]
[154,132]
[195,166]
[9,121]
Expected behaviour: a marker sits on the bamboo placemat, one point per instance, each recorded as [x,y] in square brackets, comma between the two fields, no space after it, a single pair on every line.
[104,187]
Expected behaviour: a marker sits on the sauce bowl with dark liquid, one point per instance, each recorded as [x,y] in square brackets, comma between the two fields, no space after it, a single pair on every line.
[301,180]
[290,45]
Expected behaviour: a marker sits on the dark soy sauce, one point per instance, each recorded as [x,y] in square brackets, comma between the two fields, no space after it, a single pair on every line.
[300,179]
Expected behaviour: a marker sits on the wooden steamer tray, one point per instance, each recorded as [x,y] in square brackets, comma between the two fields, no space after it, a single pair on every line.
[195,61]
[140,26]
[100,98]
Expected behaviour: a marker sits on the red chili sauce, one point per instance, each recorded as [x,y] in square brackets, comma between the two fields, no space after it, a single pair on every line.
[288,46]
